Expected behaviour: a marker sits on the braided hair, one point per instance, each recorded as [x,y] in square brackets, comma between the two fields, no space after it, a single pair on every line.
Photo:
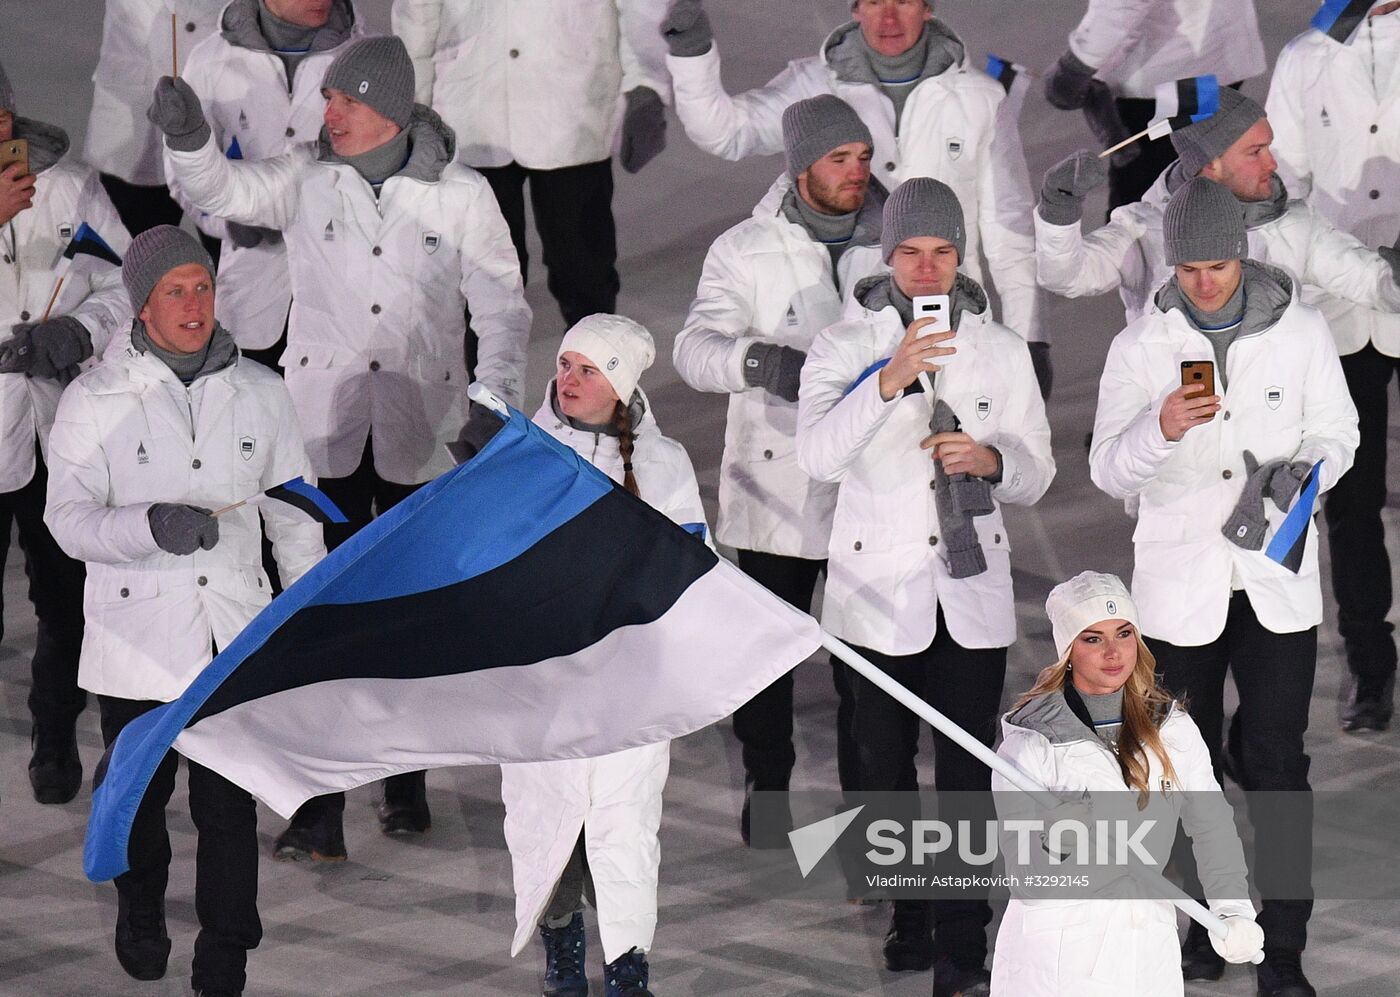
[626,440]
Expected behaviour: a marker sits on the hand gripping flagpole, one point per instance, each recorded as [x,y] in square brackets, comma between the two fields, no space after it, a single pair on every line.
[1009,771]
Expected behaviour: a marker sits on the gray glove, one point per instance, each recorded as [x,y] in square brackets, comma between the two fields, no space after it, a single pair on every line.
[482,424]
[176,111]
[1067,86]
[182,529]
[1247,524]
[686,28]
[1101,112]
[46,349]
[643,128]
[776,369]
[1066,185]
[248,236]
[1285,481]
[1044,372]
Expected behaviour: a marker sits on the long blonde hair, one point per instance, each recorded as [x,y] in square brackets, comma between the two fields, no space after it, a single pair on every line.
[1145,706]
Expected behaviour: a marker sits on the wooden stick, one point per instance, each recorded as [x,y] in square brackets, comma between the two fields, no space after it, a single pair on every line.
[53,297]
[229,508]
[174,49]
[1125,142]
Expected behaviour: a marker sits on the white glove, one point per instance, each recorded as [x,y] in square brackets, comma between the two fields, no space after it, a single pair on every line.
[1242,942]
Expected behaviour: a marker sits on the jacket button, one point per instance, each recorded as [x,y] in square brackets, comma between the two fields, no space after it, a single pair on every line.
[375,309]
[933,486]
[7,258]
[126,592]
[195,464]
[1227,474]
[377,251]
[768,455]
[1375,128]
[515,53]
[996,538]
[1375,195]
[202,580]
[303,361]
[890,166]
[290,132]
[933,541]
[857,545]
[24,316]
[374,365]
[259,583]
[1227,416]
[189,25]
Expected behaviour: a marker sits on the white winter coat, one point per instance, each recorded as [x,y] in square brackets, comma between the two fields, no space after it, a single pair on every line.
[1129,254]
[956,128]
[244,93]
[1286,398]
[1137,44]
[129,434]
[766,280]
[886,576]
[537,82]
[614,800]
[1335,111]
[1112,947]
[135,53]
[65,195]
[376,335]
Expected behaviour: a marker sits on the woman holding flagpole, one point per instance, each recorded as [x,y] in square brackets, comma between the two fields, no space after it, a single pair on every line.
[1097,722]
[589,826]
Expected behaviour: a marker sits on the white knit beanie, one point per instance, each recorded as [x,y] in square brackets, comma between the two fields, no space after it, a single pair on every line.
[1089,597]
[616,345]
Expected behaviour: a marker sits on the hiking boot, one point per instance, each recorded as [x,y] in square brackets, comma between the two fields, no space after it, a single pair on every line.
[563,959]
[142,945]
[951,980]
[1369,706]
[55,770]
[320,840]
[909,943]
[626,976]
[1281,975]
[405,808]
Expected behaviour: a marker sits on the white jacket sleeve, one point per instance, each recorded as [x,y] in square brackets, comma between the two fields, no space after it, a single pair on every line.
[750,124]
[495,293]
[1075,265]
[641,48]
[834,427]
[1005,207]
[682,503]
[296,544]
[196,74]
[77,513]
[1208,820]
[1346,268]
[418,22]
[1128,445]
[1027,461]
[1109,32]
[1330,432]
[1285,112]
[106,310]
[266,192]
[709,351]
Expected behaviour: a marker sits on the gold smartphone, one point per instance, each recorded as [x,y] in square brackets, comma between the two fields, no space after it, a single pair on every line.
[16,150]
[1199,374]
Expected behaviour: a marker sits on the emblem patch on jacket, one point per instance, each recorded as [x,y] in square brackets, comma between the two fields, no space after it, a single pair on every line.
[246,446]
[791,315]
[430,242]
[955,146]
[1273,395]
[984,407]
[329,235]
[65,231]
[141,456]
[1326,121]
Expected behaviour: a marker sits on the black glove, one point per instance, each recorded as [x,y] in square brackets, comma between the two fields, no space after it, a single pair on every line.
[643,128]
[176,111]
[776,369]
[1044,373]
[1101,111]
[482,424]
[1066,185]
[686,28]
[182,529]
[46,349]
[1067,86]
[248,236]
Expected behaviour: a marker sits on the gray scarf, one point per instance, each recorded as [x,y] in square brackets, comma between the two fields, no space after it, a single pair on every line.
[217,354]
[381,162]
[959,498]
[1258,213]
[1106,712]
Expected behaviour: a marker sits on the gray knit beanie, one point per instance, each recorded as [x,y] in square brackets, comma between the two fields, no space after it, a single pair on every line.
[375,71]
[922,206]
[1204,221]
[815,126]
[7,93]
[1199,144]
[153,254]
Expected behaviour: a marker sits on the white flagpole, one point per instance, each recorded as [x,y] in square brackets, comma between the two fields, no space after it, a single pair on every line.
[1193,908]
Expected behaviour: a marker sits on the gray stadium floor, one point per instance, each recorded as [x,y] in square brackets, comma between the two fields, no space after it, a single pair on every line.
[436,916]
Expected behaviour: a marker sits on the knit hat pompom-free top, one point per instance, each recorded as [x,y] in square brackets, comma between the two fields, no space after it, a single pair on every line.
[376,71]
[1204,222]
[1088,598]
[153,254]
[815,126]
[922,206]
[1201,143]
[618,346]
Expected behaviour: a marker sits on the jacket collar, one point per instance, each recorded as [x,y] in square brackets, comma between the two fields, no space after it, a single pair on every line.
[1269,294]
[240,28]
[871,299]
[843,53]
[868,222]
[433,144]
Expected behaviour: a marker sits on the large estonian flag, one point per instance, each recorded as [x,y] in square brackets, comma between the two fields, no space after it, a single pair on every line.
[1183,102]
[1339,19]
[522,607]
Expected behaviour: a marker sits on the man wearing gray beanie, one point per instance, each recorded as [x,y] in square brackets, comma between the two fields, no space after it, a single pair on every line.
[769,285]
[387,240]
[927,434]
[41,343]
[144,445]
[1214,483]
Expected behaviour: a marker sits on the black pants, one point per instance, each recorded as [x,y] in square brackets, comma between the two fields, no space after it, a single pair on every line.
[764,724]
[56,590]
[1274,676]
[1127,184]
[226,856]
[1360,567]
[361,495]
[573,216]
[965,686]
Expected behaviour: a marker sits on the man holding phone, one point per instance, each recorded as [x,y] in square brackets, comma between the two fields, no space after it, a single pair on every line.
[919,563]
[1203,464]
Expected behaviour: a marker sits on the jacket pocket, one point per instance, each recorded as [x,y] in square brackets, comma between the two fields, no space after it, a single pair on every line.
[125,588]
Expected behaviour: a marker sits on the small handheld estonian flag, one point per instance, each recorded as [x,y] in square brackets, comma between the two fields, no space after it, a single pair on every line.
[1291,540]
[1005,73]
[86,243]
[1339,19]
[309,500]
[1182,103]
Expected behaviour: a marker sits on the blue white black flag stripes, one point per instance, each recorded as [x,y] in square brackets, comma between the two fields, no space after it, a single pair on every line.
[1182,102]
[1339,19]
[307,499]
[1291,540]
[86,243]
[521,607]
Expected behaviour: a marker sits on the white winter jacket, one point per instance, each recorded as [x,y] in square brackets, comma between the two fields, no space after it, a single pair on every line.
[1129,254]
[537,82]
[129,434]
[378,291]
[886,576]
[1137,44]
[767,280]
[1335,110]
[1285,398]
[956,127]
[1112,948]
[615,800]
[243,87]
[135,53]
[66,194]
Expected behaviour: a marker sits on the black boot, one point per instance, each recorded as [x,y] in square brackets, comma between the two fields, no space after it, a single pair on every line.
[405,807]
[55,770]
[909,943]
[143,947]
[952,980]
[776,820]
[1369,706]
[1281,974]
[320,839]
[1199,960]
